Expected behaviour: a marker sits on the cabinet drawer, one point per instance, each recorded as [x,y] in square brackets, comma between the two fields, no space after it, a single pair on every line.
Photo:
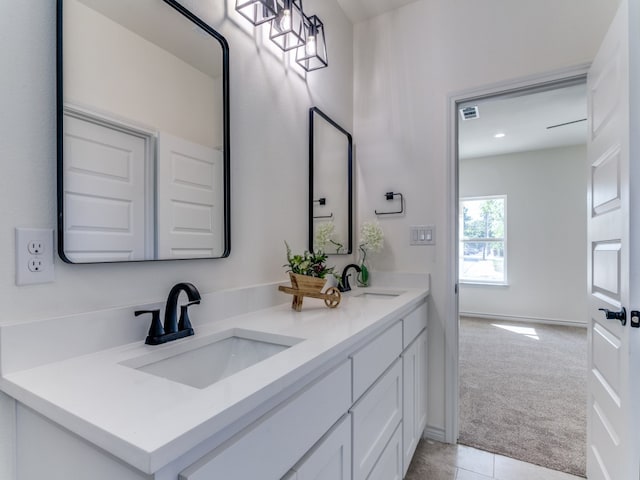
[413,323]
[375,417]
[330,458]
[371,360]
[268,449]
[389,466]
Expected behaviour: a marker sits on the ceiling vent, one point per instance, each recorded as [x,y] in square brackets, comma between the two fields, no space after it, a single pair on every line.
[469,113]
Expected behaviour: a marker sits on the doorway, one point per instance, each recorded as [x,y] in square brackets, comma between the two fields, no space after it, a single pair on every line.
[520,176]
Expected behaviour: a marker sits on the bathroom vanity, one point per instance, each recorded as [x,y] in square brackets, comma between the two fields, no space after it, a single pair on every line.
[319,394]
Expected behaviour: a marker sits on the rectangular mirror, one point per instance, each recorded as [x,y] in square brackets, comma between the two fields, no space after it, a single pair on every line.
[143,133]
[330,186]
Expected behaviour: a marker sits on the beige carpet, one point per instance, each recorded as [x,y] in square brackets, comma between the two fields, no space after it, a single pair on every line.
[523,392]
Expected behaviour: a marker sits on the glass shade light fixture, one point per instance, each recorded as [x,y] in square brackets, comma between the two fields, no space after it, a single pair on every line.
[313,54]
[287,28]
[257,11]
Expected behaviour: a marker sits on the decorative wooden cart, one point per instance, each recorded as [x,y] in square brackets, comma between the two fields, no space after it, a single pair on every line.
[306,286]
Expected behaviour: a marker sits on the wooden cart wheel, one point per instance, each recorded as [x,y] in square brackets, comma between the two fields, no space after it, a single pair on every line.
[335,295]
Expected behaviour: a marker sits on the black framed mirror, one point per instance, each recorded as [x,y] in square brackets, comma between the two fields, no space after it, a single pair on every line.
[143,133]
[330,185]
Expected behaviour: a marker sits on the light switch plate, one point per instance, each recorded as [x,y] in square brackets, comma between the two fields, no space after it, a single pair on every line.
[34,256]
[422,235]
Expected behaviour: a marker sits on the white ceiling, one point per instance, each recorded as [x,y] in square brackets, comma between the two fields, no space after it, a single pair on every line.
[358,10]
[524,120]
[160,24]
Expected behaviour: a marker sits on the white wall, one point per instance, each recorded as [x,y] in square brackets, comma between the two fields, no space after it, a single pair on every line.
[102,72]
[546,233]
[269,149]
[407,63]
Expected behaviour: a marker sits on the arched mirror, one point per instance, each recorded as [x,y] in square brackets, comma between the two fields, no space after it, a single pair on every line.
[330,186]
[143,133]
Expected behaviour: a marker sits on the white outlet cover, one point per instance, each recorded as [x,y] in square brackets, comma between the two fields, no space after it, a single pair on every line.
[25,237]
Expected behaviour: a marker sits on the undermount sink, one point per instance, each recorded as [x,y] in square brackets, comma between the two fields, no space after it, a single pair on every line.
[377,293]
[203,361]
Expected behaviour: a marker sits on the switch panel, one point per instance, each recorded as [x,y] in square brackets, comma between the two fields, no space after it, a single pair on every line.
[422,235]
[34,255]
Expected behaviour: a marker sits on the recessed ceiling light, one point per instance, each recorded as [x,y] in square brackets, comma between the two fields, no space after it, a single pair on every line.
[500,135]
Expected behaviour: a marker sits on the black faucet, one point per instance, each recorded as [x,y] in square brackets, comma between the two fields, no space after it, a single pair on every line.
[173,329]
[344,282]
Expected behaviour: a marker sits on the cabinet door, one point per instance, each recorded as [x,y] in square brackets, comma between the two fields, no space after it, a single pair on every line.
[375,417]
[414,411]
[267,449]
[330,459]
[374,358]
[389,466]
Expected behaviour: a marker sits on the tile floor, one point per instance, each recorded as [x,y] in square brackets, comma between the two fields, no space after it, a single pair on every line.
[440,461]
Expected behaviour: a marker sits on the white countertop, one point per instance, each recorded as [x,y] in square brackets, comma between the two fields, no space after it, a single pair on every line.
[148,421]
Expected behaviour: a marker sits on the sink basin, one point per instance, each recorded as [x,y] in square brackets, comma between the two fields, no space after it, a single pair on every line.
[377,294]
[203,361]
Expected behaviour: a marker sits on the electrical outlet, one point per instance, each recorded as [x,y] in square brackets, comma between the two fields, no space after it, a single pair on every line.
[35,265]
[35,247]
[34,255]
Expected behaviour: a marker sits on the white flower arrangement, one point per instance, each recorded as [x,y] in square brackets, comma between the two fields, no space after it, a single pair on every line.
[325,235]
[371,237]
[371,240]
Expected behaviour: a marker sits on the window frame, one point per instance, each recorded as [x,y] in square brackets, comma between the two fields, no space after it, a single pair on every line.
[461,241]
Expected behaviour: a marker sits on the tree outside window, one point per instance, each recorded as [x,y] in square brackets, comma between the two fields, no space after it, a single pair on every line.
[482,240]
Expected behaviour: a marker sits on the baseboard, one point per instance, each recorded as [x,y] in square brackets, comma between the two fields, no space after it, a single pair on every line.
[434,433]
[515,318]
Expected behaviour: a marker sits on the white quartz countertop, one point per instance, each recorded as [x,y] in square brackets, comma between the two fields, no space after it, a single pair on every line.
[149,421]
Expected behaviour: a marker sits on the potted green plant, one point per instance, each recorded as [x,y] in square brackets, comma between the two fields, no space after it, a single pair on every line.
[308,270]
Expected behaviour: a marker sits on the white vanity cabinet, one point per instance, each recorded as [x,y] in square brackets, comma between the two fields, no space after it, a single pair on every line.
[389,390]
[357,414]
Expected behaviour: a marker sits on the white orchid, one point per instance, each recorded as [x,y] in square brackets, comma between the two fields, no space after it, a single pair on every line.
[325,236]
[371,240]
[371,237]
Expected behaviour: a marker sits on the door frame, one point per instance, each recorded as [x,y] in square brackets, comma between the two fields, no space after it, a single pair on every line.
[514,86]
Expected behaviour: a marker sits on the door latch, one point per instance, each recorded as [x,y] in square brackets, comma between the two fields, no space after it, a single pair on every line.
[621,315]
[635,319]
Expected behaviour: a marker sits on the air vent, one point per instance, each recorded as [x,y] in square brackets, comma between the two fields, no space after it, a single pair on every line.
[469,113]
[566,123]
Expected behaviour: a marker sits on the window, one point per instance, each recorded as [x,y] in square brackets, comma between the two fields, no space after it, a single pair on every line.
[483,245]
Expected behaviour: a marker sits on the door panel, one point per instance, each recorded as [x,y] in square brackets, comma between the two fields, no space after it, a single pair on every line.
[190,204]
[104,192]
[611,420]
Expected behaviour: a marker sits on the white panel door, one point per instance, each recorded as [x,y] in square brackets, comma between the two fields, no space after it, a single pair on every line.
[104,192]
[613,452]
[190,210]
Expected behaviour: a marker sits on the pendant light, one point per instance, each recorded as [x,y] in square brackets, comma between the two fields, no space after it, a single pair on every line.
[313,54]
[287,28]
[257,11]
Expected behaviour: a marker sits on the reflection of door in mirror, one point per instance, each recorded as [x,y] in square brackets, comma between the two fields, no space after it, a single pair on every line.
[145,68]
[330,185]
[107,171]
[189,199]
